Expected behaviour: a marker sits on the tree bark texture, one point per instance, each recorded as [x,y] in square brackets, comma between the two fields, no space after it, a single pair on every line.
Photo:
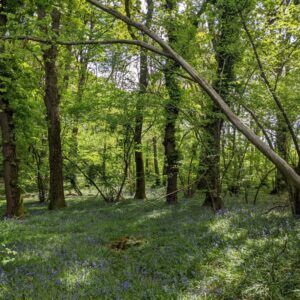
[14,205]
[140,185]
[172,111]
[52,100]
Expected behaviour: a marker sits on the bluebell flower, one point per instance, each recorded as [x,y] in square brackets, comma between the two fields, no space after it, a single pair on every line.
[218,291]
[126,285]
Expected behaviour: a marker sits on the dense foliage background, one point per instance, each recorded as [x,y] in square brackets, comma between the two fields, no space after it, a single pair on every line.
[93,121]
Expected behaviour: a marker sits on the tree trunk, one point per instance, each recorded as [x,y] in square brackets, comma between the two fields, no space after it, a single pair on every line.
[211,162]
[103,165]
[172,111]
[127,146]
[140,185]
[295,195]
[52,99]
[281,145]
[14,205]
[225,45]
[39,177]
[155,161]
[280,163]
[72,176]
[70,168]
[296,201]
[41,187]
[147,162]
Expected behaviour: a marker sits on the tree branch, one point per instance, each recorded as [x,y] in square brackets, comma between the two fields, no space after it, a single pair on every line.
[280,163]
[88,42]
[255,118]
[270,89]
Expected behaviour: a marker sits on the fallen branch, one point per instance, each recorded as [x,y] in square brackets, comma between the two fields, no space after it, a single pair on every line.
[261,184]
[178,190]
[275,207]
[87,177]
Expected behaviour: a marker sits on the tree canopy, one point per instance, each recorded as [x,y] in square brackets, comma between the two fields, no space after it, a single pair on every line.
[149,100]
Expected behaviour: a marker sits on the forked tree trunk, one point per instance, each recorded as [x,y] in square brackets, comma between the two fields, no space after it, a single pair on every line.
[52,100]
[14,205]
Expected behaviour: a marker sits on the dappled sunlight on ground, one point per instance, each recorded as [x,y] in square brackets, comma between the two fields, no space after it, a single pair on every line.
[168,252]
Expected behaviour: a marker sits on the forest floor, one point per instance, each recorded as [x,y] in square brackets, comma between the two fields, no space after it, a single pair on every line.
[148,250]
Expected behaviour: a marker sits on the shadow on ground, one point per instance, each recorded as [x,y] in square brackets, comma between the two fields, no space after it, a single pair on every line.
[185,252]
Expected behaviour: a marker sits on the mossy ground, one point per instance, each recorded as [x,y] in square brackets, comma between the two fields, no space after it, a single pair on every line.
[184,251]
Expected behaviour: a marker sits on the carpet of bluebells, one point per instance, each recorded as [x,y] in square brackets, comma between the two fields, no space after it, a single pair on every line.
[185,251]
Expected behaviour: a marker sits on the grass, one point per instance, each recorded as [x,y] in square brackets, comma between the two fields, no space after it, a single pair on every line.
[183,252]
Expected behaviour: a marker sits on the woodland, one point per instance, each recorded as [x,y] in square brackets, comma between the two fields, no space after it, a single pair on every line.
[150,149]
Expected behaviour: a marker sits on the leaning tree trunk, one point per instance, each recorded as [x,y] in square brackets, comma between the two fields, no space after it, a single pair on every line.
[14,206]
[52,99]
[281,164]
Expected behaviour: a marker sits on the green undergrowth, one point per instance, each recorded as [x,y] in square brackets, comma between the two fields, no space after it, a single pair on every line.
[183,252]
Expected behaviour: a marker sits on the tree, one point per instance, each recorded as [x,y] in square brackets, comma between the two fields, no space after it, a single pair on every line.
[225,29]
[280,163]
[155,161]
[52,100]
[14,206]
[140,185]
